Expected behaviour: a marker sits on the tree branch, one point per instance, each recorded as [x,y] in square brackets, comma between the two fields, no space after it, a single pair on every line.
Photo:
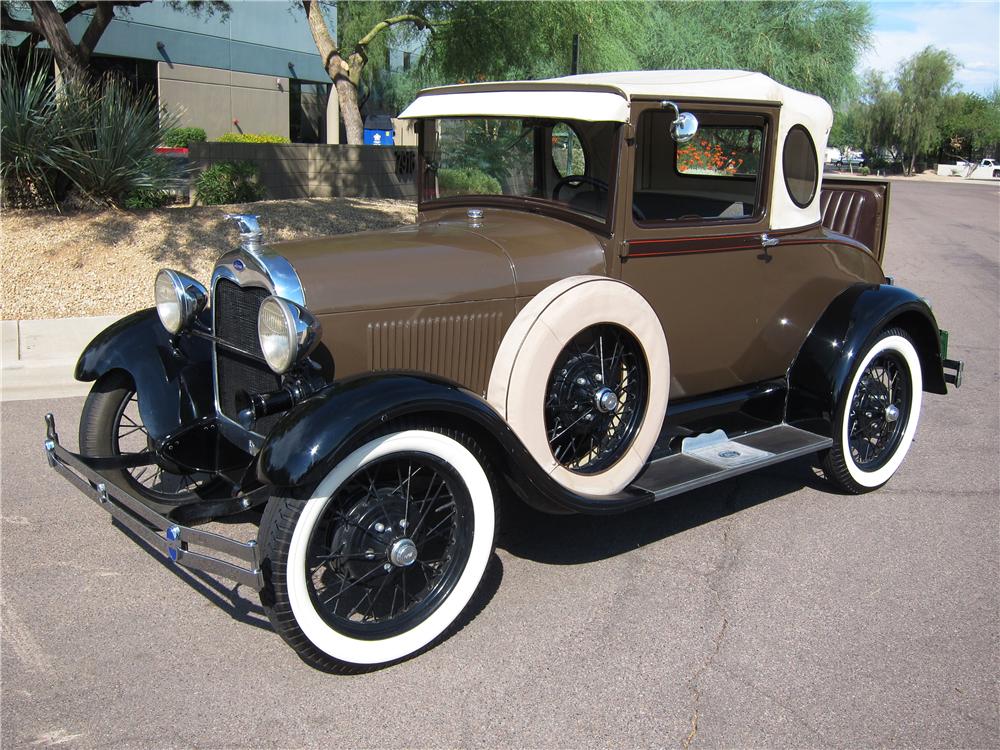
[9,23]
[326,45]
[419,21]
[104,14]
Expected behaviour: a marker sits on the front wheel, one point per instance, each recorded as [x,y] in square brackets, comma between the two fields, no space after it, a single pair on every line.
[877,416]
[378,558]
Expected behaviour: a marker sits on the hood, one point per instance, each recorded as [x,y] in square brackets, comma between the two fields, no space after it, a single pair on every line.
[445,257]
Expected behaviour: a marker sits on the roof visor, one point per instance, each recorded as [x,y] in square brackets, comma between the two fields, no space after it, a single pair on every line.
[590,106]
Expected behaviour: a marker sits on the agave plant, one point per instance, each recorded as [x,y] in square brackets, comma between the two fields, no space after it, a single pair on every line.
[112,156]
[33,129]
[94,136]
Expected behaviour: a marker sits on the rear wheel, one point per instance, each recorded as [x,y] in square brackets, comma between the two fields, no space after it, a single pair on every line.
[111,425]
[378,558]
[877,416]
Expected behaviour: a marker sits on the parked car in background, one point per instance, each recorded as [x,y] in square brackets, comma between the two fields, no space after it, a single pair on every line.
[630,285]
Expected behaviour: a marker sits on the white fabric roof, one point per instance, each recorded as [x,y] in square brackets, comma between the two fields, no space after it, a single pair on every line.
[606,97]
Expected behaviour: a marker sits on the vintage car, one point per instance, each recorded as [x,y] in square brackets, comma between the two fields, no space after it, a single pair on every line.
[620,287]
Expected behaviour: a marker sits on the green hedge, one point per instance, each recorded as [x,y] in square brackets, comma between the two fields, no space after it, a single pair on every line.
[229,182]
[181,137]
[467,181]
[253,138]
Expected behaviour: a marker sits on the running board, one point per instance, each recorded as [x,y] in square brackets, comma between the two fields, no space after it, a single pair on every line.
[713,457]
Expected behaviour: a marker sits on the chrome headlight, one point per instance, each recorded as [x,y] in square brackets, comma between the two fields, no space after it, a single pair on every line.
[179,299]
[287,333]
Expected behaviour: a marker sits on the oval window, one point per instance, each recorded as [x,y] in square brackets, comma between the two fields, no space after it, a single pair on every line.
[567,151]
[801,166]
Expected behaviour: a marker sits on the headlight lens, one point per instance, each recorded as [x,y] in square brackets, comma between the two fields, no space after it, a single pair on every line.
[179,299]
[287,333]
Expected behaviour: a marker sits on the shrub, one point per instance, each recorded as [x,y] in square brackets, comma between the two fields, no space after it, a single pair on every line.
[864,171]
[467,181]
[252,138]
[94,138]
[181,137]
[144,198]
[229,182]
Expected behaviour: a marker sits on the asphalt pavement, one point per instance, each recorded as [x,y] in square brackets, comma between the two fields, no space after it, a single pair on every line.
[768,611]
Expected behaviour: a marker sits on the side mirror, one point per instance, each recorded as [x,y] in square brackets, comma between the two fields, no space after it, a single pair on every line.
[684,126]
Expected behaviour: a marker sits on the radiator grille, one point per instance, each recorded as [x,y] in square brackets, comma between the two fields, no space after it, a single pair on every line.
[235,310]
[457,347]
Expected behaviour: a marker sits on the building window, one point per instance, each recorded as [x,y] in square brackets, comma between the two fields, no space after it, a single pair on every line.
[307,111]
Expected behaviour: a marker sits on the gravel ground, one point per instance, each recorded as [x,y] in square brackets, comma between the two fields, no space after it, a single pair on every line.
[103,263]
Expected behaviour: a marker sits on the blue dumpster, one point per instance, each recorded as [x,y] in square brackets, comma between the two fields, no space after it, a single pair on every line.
[379,131]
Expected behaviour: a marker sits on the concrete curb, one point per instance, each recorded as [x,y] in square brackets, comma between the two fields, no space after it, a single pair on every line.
[37,357]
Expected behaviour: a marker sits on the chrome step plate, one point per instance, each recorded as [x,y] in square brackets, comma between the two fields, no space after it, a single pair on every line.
[706,459]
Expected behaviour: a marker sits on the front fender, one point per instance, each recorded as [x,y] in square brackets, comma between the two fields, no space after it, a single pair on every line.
[172,375]
[316,435]
[845,330]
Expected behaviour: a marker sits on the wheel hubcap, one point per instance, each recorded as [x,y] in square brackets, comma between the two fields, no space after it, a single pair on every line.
[606,400]
[891,413]
[403,552]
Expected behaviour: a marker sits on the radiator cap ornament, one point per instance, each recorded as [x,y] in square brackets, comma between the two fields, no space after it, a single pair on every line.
[251,236]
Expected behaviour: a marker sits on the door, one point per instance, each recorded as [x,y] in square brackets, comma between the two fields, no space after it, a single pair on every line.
[694,220]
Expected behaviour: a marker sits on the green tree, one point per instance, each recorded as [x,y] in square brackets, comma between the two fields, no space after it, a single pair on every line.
[811,45]
[477,40]
[44,20]
[877,118]
[924,82]
[970,125]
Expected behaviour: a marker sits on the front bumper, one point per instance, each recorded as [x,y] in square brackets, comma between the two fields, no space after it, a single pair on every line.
[171,539]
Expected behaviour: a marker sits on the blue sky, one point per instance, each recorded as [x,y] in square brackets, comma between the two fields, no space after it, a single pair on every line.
[969,30]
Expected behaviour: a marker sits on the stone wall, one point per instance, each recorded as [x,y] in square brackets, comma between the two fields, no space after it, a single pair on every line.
[301,170]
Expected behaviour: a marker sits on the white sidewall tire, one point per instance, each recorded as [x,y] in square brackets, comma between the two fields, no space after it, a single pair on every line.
[361,651]
[880,476]
[520,375]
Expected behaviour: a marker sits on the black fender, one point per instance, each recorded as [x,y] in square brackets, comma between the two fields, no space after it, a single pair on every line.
[845,330]
[172,374]
[316,435]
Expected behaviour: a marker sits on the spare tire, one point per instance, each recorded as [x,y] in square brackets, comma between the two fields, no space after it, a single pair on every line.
[582,377]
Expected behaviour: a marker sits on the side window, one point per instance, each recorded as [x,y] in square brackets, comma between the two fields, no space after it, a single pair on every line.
[800,164]
[716,176]
[567,151]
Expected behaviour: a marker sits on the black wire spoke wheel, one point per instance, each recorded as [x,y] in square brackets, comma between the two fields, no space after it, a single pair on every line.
[390,546]
[879,411]
[596,398]
[131,438]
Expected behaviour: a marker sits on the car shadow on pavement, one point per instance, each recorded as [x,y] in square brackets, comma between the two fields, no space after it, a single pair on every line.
[576,539]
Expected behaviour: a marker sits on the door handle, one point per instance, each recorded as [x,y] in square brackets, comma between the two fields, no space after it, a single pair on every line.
[766,241]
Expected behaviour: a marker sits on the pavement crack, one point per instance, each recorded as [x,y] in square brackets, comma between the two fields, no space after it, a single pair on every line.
[726,562]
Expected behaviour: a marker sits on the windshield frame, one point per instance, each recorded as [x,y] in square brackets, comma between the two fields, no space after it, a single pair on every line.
[544,206]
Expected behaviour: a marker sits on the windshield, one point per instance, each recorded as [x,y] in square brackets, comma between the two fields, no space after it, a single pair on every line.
[565,163]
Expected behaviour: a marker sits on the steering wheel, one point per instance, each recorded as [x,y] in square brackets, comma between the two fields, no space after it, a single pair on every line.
[579,179]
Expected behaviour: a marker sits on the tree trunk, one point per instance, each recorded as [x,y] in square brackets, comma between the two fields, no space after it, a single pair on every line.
[71,61]
[347,95]
[913,159]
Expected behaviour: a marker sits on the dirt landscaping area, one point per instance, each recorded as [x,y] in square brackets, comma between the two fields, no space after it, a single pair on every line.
[103,262]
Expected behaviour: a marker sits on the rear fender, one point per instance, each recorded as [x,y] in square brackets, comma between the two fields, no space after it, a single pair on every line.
[317,434]
[172,374]
[822,368]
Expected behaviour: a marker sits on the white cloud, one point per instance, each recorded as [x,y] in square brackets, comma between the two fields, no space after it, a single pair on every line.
[969,30]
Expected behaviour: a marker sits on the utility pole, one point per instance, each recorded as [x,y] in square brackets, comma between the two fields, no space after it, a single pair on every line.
[575,65]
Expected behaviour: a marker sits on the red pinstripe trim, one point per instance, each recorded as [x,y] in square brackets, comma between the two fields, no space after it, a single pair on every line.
[692,251]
